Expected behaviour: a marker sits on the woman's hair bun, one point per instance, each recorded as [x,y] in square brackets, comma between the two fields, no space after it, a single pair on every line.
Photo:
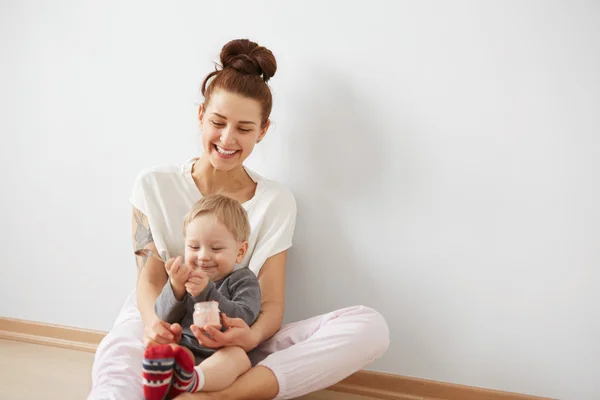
[248,57]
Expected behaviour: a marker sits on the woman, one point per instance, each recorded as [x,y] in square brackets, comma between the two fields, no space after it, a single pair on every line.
[289,361]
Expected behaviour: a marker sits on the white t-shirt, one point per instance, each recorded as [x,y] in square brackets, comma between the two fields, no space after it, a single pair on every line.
[165,194]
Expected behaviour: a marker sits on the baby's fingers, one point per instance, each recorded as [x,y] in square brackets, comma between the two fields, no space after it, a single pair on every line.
[198,273]
[173,264]
[195,280]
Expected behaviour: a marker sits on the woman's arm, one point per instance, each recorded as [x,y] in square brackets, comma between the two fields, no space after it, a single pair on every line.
[152,277]
[272,286]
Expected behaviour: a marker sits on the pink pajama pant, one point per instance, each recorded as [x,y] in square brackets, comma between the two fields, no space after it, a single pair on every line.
[305,356]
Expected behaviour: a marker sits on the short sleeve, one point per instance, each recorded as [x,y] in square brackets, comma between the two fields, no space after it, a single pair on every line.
[139,192]
[165,194]
[145,197]
[276,231]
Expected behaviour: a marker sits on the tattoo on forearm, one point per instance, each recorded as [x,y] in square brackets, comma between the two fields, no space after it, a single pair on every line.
[142,236]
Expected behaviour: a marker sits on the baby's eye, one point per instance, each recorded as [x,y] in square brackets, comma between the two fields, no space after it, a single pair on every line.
[194,247]
[217,248]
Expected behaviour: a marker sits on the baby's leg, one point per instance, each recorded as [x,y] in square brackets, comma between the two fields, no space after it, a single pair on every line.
[215,373]
[157,370]
[185,378]
[222,368]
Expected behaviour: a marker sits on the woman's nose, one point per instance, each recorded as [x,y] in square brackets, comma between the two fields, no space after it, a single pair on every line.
[227,136]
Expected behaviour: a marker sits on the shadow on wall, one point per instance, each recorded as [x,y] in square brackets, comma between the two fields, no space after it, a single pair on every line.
[335,165]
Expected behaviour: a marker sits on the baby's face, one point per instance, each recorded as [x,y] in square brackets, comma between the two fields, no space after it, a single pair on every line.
[210,247]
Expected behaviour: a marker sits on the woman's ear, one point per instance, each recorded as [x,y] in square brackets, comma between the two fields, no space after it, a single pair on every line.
[200,114]
[242,252]
[263,131]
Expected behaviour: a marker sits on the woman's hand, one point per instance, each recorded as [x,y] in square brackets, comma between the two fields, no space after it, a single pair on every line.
[161,332]
[238,333]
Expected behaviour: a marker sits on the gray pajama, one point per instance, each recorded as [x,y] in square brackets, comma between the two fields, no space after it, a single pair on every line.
[238,296]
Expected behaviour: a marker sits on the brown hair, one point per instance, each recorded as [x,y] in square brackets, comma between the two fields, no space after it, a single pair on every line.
[227,210]
[245,69]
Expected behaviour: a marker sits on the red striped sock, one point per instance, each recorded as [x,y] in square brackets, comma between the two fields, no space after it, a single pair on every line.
[185,377]
[157,370]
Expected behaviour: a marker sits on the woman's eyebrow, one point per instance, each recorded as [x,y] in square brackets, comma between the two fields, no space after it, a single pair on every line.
[241,122]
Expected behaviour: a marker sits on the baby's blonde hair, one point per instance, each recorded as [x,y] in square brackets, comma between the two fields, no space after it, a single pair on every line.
[227,210]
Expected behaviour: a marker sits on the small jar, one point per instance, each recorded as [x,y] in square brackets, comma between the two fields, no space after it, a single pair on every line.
[207,313]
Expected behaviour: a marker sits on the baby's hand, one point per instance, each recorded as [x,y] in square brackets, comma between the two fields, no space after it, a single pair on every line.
[178,274]
[196,283]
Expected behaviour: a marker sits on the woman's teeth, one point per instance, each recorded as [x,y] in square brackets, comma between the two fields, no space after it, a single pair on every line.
[225,152]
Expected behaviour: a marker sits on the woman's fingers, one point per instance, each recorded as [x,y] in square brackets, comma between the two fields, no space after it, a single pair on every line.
[233,322]
[216,334]
[199,334]
[177,331]
[205,340]
[158,334]
[162,329]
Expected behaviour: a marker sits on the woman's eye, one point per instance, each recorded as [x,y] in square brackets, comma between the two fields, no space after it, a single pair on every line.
[245,130]
[218,124]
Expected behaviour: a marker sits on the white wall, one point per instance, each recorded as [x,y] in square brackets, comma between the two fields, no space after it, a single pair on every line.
[444,156]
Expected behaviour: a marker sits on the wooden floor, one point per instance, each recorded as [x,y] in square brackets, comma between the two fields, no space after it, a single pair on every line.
[31,371]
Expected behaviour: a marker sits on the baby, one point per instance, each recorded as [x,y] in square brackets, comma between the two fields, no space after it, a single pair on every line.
[216,238]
